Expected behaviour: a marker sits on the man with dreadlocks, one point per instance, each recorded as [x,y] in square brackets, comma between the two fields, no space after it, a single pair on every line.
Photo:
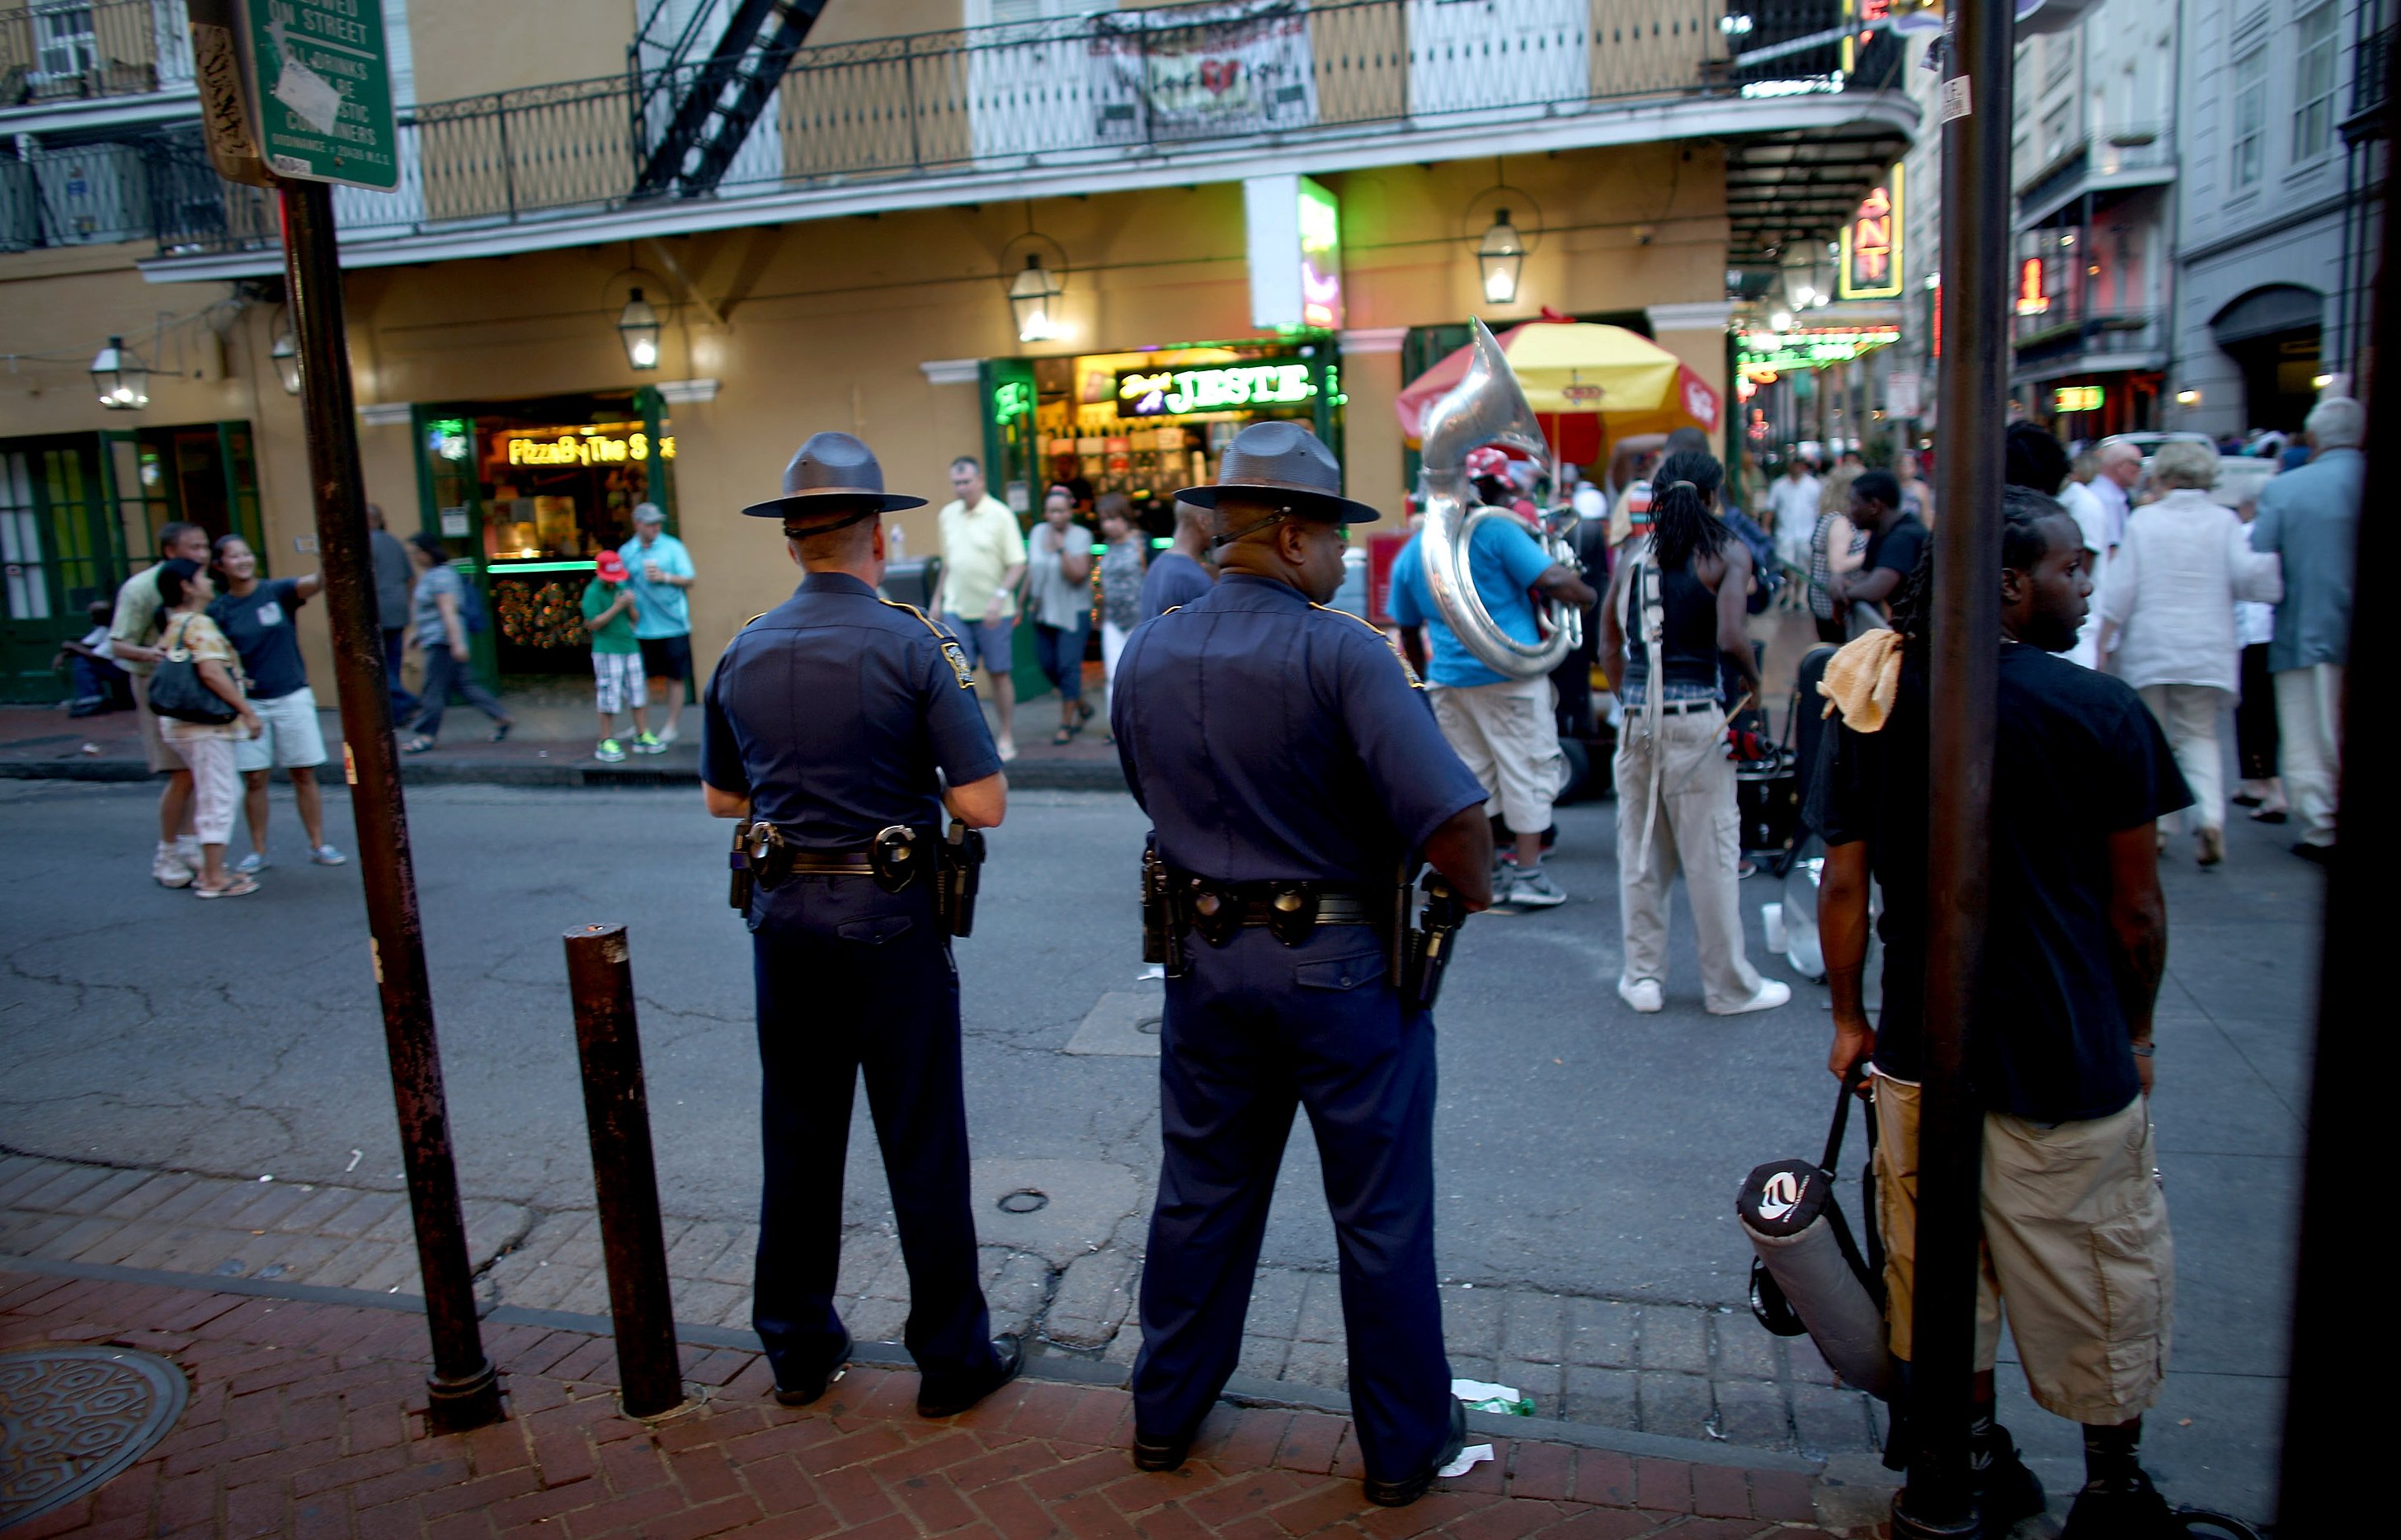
[2076,1231]
[1684,590]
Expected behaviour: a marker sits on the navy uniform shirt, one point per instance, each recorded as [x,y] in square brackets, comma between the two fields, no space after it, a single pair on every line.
[1272,739]
[833,711]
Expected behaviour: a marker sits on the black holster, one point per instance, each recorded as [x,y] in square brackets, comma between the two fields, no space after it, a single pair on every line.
[739,862]
[1429,946]
[962,874]
[1163,921]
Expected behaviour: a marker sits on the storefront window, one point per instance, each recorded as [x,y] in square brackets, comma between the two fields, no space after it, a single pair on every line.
[527,495]
[1149,422]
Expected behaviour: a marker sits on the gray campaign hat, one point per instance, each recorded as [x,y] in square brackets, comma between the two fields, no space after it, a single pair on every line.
[1283,463]
[831,470]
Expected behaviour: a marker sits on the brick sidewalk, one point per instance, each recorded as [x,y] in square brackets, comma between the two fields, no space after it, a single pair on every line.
[306,1420]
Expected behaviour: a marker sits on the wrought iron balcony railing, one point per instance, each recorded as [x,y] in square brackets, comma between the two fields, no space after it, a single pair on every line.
[1089,91]
[51,51]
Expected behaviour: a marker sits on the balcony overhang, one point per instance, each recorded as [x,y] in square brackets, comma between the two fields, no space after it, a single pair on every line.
[94,114]
[2052,193]
[1528,131]
[2090,364]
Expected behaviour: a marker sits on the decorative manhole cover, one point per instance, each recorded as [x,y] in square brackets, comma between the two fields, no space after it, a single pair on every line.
[71,1418]
[1024,1201]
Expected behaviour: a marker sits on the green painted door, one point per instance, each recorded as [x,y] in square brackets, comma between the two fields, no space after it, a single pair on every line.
[57,554]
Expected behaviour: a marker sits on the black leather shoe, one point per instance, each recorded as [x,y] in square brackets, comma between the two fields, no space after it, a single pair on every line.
[1160,1453]
[2132,1512]
[808,1393]
[2006,1490]
[1400,1493]
[949,1401]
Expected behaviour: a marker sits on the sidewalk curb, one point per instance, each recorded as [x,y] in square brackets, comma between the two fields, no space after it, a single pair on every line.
[1241,1390]
[1024,774]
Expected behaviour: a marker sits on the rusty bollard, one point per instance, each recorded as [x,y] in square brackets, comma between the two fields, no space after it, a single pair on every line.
[617,1113]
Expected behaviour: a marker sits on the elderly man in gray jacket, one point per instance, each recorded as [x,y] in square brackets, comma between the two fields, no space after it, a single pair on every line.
[2310,516]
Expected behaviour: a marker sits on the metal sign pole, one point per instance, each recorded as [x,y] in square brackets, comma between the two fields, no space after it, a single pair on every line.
[1965,656]
[463,1388]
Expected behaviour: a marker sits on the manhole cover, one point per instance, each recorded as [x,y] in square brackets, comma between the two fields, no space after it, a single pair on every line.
[1024,1201]
[73,1417]
[1149,1026]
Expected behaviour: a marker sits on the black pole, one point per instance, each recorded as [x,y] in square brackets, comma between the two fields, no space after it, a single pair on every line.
[617,1115]
[463,1389]
[1965,659]
[2333,1454]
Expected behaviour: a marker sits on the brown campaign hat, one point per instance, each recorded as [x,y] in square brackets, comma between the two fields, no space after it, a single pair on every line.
[831,470]
[1283,463]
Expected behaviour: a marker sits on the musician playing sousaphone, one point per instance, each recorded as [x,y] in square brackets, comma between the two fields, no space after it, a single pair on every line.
[1488,662]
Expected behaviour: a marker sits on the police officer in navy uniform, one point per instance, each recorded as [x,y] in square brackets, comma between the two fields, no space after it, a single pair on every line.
[1286,755]
[832,725]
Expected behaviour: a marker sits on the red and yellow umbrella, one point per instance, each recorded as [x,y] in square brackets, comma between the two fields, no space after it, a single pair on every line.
[1622,380]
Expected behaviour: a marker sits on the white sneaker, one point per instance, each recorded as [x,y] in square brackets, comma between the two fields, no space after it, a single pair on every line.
[166,866]
[1007,747]
[669,733]
[1531,890]
[1772,993]
[1643,995]
[250,863]
[325,854]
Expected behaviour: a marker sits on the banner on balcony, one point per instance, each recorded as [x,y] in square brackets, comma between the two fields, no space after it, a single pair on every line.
[1203,71]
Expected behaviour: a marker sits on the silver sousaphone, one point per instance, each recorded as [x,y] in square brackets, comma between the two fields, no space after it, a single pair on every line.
[1486,406]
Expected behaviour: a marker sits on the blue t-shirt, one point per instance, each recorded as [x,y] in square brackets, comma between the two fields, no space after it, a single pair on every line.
[660,609]
[1504,559]
[259,624]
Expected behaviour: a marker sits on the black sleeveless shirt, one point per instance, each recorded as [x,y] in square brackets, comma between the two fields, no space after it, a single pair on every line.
[1688,650]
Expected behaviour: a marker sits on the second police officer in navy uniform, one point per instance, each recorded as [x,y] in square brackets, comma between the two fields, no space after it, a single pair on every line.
[1291,768]
[831,727]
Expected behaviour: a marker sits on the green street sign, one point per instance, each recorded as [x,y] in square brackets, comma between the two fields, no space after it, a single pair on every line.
[322,86]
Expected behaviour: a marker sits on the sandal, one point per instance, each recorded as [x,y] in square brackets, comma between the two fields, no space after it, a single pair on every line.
[1084,712]
[501,730]
[1063,736]
[235,887]
[417,745]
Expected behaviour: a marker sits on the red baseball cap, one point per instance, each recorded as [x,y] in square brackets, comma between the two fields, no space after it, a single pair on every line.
[610,568]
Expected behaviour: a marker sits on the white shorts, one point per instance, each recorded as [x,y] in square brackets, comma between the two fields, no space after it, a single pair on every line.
[288,737]
[617,681]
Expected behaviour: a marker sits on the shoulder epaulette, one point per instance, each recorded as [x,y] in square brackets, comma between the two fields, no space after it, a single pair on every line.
[952,652]
[1381,634]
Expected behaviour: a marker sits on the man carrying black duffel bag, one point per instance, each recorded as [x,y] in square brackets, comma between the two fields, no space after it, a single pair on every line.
[2076,1233]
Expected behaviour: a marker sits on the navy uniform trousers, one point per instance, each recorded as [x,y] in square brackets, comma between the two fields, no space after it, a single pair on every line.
[853,980]
[1252,1032]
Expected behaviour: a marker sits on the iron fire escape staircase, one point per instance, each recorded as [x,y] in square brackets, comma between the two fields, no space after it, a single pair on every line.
[710,109]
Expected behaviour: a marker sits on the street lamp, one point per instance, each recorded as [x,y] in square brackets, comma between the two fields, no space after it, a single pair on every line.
[120,376]
[638,327]
[286,353]
[1500,255]
[1030,296]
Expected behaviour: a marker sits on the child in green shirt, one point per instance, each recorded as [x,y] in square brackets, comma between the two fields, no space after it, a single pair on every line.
[616,659]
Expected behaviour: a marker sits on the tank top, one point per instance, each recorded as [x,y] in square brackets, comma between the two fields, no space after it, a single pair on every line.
[1688,651]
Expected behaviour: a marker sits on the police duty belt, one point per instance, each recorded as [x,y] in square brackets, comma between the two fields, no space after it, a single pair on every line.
[1289,911]
[893,858]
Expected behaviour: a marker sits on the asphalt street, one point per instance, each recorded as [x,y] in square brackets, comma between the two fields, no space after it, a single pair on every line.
[1582,1150]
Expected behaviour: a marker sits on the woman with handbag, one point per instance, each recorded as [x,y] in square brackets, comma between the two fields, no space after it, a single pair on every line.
[196,693]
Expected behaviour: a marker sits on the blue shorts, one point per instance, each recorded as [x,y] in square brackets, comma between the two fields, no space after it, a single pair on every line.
[981,642]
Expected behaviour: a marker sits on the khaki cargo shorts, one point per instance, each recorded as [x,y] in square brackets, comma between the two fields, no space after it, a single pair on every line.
[2076,1243]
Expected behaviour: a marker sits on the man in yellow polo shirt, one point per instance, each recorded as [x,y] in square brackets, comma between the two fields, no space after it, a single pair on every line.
[983,559]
